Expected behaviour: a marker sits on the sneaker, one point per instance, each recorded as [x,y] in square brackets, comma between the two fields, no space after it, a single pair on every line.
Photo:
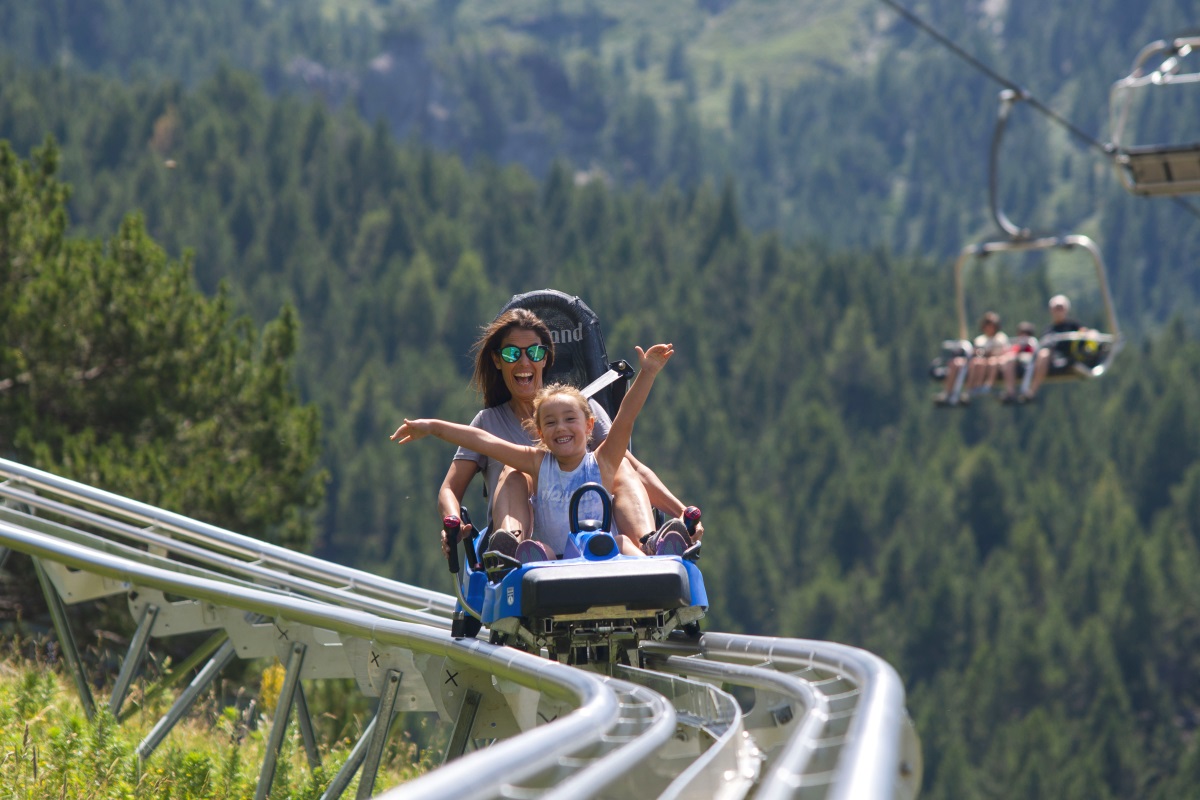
[964,399]
[672,536]
[503,542]
[529,550]
[671,543]
[1008,398]
[941,399]
[501,555]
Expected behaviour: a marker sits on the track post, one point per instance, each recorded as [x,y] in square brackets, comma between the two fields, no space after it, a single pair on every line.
[66,640]
[283,709]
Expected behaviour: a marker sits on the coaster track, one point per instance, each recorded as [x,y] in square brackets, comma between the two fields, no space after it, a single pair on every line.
[725,716]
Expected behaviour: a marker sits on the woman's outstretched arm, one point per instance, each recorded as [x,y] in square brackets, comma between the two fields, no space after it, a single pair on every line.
[522,457]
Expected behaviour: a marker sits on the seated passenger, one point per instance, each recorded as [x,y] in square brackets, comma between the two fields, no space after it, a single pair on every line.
[1054,357]
[508,373]
[1019,361]
[991,346]
[983,364]
[561,463]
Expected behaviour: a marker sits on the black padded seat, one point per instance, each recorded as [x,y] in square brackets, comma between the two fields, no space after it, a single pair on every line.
[644,584]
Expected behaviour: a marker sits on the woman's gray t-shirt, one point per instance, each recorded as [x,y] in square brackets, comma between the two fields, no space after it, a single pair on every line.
[502,422]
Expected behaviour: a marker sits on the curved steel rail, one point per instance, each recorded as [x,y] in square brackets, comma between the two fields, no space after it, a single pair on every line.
[172,532]
[853,738]
[598,725]
[826,720]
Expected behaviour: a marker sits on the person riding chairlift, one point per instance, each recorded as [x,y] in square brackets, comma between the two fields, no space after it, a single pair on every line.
[1056,356]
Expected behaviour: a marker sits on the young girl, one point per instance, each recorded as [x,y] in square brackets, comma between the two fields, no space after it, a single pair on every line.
[561,463]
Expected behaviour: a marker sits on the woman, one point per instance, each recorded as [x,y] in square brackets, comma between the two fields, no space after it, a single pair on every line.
[982,366]
[510,357]
[991,346]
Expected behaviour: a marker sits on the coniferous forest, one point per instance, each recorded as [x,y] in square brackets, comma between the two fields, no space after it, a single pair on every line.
[239,244]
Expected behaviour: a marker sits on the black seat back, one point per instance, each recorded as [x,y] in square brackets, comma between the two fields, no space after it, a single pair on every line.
[579,353]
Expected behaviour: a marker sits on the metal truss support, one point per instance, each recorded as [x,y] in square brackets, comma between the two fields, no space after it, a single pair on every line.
[66,641]
[346,774]
[133,659]
[210,646]
[304,720]
[374,736]
[463,725]
[185,700]
[283,709]
[383,718]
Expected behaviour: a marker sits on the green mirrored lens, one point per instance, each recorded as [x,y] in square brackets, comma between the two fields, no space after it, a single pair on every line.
[512,353]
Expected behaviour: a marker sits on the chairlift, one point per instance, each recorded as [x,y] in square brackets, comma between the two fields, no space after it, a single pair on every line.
[1165,169]
[1090,352]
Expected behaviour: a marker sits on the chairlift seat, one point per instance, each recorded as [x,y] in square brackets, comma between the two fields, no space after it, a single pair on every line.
[1163,169]
[1160,170]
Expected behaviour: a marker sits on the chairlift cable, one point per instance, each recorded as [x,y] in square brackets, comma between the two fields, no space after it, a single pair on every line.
[1023,93]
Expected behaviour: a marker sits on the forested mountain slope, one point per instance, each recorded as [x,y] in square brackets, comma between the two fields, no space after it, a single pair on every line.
[1029,571]
[840,122]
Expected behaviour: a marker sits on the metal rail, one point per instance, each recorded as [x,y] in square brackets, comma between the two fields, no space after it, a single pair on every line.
[163,529]
[830,718]
[589,719]
[811,719]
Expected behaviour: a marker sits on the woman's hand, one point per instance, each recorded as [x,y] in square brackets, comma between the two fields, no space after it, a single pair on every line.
[411,430]
[464,532]
[655,358]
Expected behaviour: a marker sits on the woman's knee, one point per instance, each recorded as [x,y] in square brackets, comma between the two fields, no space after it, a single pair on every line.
[510,505]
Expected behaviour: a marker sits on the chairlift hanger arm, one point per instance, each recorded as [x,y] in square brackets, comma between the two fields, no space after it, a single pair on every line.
[1108,149]
[1008,97]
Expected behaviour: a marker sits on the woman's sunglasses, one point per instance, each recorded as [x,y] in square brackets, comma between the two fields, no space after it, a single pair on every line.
[512,353]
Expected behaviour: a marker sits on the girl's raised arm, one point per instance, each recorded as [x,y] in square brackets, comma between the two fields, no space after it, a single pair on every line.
[612,449]
[526,459]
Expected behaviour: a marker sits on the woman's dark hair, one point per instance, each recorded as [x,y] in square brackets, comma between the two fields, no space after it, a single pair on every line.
[487,378]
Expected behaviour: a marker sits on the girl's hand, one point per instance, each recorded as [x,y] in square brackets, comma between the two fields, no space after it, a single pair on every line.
[411,430]
[655,358]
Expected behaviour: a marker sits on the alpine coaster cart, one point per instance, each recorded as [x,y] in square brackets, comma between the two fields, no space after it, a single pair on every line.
[594,605]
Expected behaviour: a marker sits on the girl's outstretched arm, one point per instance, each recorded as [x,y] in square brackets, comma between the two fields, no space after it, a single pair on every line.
[612,449]
[526,459]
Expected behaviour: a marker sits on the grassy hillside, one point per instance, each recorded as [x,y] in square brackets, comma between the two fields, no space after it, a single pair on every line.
[52,750]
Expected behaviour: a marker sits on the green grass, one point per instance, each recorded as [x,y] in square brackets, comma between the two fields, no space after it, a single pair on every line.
[49,749]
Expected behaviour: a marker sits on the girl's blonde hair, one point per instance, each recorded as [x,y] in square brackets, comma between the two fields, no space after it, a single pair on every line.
[534,423]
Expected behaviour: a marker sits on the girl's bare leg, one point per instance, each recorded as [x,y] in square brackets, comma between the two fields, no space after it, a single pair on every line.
[633,516]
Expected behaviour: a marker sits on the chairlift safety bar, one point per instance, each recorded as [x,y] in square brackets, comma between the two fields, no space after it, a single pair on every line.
[1045,243]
